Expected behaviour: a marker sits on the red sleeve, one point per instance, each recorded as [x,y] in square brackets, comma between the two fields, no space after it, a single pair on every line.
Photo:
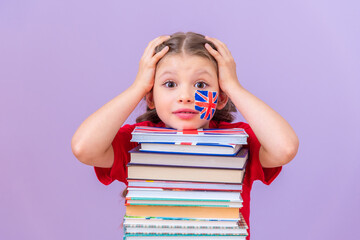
[121,145]
[254,169]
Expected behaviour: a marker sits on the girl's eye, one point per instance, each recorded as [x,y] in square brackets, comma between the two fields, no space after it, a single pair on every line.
[200,85]
[170,84]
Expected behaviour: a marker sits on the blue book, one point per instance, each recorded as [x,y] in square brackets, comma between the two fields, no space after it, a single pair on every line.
[220,149]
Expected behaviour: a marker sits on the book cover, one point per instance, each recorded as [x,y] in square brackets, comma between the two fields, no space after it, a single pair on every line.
[156,134]
[185,173]
[189,186]
[192,212]
[191,148]
[178,159]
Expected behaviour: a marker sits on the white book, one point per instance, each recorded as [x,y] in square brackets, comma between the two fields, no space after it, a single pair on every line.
[182,237]
[184,203]
[183,195]
[163,230]
[191,148]
[184,185]
[181,223]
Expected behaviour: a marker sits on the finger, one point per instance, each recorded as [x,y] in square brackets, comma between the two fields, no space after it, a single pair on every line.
[159,55]
[222,48]
[150,49]
[215,53]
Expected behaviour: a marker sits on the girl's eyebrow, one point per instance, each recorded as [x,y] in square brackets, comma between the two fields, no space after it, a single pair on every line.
[199,72]
[167,72]
[203,71]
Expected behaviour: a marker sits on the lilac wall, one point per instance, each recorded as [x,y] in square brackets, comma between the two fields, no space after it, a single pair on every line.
[62,60]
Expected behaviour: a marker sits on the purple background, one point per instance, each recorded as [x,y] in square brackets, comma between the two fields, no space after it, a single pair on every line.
[62,60]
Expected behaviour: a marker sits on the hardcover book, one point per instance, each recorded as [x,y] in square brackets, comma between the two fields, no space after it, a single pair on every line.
[191,148]
[189,186]
[156,134]
[185,173]
[237,161]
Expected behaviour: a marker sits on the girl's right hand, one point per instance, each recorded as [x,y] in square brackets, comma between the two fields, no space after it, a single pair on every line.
[147,66]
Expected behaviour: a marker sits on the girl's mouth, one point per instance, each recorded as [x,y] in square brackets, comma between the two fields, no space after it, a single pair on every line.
[185,113]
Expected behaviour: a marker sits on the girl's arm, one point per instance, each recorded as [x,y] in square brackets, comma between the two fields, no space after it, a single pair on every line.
[279,143]
[91,143]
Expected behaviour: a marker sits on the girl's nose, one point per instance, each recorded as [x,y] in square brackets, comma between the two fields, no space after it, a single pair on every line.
[186,97]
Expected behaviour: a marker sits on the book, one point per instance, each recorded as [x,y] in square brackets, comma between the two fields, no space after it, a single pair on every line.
[159,158]
[190,212]
[184,203]
[191,148]
[182,222]
[156,134]
[189,186]
[185,173]
[136,194]
[186,231]
[180,237]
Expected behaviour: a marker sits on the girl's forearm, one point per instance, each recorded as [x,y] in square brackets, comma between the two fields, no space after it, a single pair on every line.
[96,133]
[275,134]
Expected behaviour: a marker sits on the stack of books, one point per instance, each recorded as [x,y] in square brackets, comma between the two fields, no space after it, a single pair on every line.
[186,184]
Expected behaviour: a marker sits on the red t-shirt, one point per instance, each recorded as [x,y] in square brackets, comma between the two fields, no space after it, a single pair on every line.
[254,171]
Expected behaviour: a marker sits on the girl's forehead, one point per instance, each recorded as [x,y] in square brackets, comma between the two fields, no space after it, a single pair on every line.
[180,62]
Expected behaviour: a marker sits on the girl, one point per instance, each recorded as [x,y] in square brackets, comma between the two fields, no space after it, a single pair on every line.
[171,69]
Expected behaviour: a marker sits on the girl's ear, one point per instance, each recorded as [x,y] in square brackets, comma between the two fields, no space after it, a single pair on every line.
[150,100]
[222,100]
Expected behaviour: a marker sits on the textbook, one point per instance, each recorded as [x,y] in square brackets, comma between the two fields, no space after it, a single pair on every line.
[184,222]
[191,212]
[156,134]
[183,195]
[185,173]
[181,237]
[237,161]
[186,203]
[186,231]
[191,148]
[189,186]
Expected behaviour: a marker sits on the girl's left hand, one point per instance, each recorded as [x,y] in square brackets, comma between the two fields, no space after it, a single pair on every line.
[226,64]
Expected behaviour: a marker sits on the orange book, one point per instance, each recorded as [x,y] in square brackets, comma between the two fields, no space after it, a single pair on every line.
[182,212]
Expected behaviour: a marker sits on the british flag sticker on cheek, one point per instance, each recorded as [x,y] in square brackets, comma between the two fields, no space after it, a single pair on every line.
[205,103]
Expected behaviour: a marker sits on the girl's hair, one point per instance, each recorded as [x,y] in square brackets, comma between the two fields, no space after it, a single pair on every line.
[192,44]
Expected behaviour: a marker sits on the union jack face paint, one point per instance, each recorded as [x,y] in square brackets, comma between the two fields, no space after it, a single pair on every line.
[205,103]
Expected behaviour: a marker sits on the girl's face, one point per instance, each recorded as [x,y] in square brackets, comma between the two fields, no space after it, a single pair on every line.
[177,78]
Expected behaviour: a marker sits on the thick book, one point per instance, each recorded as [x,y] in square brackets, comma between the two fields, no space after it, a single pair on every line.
[237,161]
[191,148]
[155,134]
[185,173]
[189,186]
[189,212]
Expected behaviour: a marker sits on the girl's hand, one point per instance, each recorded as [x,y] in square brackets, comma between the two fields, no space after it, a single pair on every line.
[147,66]
[226,64]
